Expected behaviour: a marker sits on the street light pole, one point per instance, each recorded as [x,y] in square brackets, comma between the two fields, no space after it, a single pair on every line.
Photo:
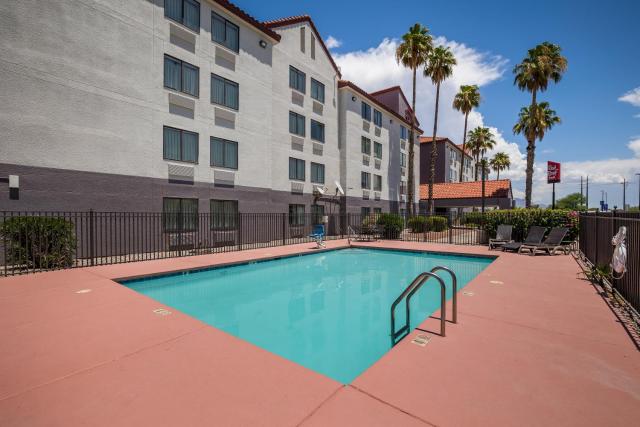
[624,193]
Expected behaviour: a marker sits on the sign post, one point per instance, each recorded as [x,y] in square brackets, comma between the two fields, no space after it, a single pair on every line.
[553,176]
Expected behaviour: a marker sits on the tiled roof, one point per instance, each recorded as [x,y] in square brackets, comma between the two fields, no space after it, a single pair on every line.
[466,149]
[467,190]
[428,139]
[347,83]
[232,8]
[283,22]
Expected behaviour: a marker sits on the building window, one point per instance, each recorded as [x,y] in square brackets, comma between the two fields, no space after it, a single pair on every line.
[186,12]
[366,111]
[451,175]
[297,79]
[296,169]
[302,40]
[365,180]
[365,145]
[296,124]
[377,150]
[224,153]
[317,90]
[377,118]
[377,183]
[377,211]
[178,144]
[296,215]
[313,47]
[403,187]
[224,92]
[317,173]
[317,131]
[365,211]
[403,160]
[224,214]
[317,212]
[225,32]
[403,132]
[181,76]
[179,214]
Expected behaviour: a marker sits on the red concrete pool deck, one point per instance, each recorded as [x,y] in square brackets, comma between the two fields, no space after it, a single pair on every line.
[534,345]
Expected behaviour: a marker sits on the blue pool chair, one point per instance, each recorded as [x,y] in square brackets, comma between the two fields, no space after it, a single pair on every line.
[318,235]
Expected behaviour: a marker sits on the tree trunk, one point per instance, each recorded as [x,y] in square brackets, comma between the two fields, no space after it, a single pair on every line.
[475,158]
[531,152]
[498,176]
[410,180]
[464,141]
[434,152]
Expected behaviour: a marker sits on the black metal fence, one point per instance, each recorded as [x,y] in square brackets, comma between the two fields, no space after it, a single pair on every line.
[37,241]
[596,232]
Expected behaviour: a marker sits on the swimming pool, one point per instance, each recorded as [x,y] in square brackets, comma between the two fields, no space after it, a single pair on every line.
[328,311]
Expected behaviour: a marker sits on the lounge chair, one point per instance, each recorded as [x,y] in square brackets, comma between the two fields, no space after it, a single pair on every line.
[535,235]
[318,235]
[551,244]
[503,236]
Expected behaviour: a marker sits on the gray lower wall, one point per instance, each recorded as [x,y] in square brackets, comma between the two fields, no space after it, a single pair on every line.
[45,189]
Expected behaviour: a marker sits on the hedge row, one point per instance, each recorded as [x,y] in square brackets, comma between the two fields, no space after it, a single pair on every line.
[523,219]
[422,224]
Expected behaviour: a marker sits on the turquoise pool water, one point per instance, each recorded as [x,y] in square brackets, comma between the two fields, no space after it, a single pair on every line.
[327,311]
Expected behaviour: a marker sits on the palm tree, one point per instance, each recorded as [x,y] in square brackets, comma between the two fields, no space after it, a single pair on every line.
[500,162]
[533,122]
[543,64]
[412,53]
[480,140]
[439,67]
[466,100]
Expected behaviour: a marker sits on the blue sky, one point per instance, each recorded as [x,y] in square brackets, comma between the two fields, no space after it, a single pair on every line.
[599,39]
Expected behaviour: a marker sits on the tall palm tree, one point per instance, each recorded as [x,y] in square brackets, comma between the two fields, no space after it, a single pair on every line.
[533,122]
[543,64]
[481,140]
[439,67]
[500,162]
[466,100]
[412,53]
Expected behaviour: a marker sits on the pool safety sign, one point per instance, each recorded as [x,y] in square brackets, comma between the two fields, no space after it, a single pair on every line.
[553,172]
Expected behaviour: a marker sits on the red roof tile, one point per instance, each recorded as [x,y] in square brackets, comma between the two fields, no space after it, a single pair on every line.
[467,190]
[232,8]
[428,139]
[347,83]
[283,22]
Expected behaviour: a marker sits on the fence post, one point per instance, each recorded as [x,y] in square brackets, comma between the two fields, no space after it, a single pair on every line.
[284,229]
[91,237]
[449,224]
[595,262]
[240,234]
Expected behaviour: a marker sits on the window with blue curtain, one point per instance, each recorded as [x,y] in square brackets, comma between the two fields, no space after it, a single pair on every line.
[317,131]
[296,124]
[317,173]
[317,90]
[224,153]
[296,169]
[186,12]
[225,32]
[377,118]
[181,76]
[366,111]
[224,92]
[180,145]
[297,79]
[377,150]
[365,145]
[403,132]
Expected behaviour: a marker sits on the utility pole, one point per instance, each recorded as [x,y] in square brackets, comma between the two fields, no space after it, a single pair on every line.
[638,174]
[624,193]
[581,194]
[587,192]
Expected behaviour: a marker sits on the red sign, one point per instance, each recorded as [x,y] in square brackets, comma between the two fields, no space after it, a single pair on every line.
[553,172]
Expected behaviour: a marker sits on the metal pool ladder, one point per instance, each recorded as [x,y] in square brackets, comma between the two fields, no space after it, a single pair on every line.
[413,287]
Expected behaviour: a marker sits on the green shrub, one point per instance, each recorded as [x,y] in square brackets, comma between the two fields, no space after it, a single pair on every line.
[469,218]
[437,223]
[523,219]
[38,241]
[417,224]
[392,225]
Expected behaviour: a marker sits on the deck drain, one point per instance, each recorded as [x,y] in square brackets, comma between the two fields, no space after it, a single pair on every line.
[496,282]
[421,340]
[468,293]
[161,311]
[83,291]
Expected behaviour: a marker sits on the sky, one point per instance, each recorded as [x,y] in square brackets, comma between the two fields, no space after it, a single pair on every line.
[598,98]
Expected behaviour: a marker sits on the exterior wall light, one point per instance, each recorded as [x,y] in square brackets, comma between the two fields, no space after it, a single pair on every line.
[263,44]
[353,98]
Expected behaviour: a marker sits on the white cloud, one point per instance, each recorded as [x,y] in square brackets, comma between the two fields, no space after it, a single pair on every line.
[332,42]
[376,68]
[632,97]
